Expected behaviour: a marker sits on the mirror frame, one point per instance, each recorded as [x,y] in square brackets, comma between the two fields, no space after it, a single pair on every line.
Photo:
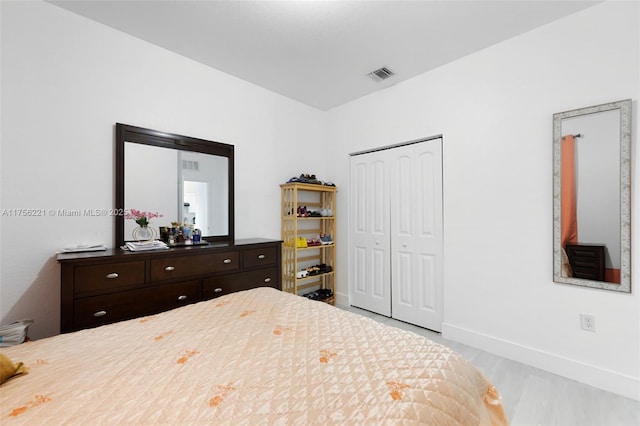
[133,134]
[625,196]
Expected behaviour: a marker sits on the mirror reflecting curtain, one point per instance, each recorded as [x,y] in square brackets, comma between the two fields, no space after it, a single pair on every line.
[592,196]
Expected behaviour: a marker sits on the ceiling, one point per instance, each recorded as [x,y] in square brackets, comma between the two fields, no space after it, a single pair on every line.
[320,52]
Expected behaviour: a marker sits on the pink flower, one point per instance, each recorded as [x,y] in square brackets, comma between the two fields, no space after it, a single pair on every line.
[141,218]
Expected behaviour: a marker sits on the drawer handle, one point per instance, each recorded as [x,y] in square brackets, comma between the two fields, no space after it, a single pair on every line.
[183,297]
[169,268]
[261,256]
[267,280]
[100,314]
[217,290]
[227,261]
[112,275]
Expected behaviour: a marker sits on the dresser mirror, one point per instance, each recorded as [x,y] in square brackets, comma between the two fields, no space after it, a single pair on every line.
[591,196]
[185,179]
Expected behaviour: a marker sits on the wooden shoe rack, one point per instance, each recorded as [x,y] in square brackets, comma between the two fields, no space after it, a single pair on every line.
[314,198]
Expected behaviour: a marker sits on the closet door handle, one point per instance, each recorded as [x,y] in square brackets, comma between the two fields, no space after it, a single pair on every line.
[169,268]
[100,314]
[217,290]
[183,297]
[267,280]
[261,256]
[227,261]
[112,275]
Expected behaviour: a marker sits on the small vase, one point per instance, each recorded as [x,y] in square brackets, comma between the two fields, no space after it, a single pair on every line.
[144,233]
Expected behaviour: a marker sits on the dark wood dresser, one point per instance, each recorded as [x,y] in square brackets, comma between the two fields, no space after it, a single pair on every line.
[99,288]
[586,260]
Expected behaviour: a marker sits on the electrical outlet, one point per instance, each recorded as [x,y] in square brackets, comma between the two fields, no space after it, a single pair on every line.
[588,322]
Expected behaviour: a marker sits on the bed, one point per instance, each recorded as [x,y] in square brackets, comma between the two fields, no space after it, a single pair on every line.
[260,356]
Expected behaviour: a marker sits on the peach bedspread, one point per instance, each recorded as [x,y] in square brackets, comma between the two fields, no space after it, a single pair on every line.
[254,357]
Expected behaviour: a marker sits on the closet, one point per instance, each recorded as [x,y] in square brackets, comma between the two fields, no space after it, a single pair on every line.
[396,232]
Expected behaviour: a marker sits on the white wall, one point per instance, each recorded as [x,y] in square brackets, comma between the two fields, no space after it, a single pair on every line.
[494,109]
[66,81]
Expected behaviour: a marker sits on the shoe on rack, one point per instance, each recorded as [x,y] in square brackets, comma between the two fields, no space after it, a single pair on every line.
[324,293]
[313,270]
[326,239]
[314,295]
[311,179]
[313,243]
[324,269]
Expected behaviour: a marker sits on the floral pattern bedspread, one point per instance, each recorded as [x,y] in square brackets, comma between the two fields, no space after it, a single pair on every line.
[254,357]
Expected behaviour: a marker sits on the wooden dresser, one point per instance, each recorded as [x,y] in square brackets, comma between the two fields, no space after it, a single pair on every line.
[586,260]
[99,288]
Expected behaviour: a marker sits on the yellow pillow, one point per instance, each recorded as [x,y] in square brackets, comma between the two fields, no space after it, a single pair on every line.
[8,369]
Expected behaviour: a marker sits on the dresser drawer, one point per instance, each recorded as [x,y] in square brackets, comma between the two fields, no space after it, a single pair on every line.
[107,276]
[189,266]
[260,257]
[218,286]
[108,308]
[587,261]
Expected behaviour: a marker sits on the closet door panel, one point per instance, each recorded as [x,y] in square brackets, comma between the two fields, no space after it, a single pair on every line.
[402,283]
[369,234]
[429,244]
[359,270]
[402,230]
[380,289]
[427,276]
[418,184]
[402,196]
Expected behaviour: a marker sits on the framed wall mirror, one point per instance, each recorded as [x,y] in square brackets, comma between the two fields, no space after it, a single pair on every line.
[185,179]
[592,196]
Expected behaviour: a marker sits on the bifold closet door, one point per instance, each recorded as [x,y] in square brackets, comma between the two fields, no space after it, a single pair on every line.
[417,233]
[396,233]
[369,234]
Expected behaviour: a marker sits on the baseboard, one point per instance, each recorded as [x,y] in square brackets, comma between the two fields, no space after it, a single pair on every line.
[607,380]
[342,299]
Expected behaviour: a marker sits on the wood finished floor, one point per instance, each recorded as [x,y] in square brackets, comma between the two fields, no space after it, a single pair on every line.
[532,396]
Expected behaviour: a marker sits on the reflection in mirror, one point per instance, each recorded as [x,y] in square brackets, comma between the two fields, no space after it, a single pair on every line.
[186,180]
[194,181]
[204,195]
[592,196]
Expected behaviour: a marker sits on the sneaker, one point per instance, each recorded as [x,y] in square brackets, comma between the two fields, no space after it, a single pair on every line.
[314,295]
[313,243]
[326,239]
[325,293]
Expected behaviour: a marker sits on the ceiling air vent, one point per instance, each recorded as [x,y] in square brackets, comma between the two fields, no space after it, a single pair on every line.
[380,74]
[190,165]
